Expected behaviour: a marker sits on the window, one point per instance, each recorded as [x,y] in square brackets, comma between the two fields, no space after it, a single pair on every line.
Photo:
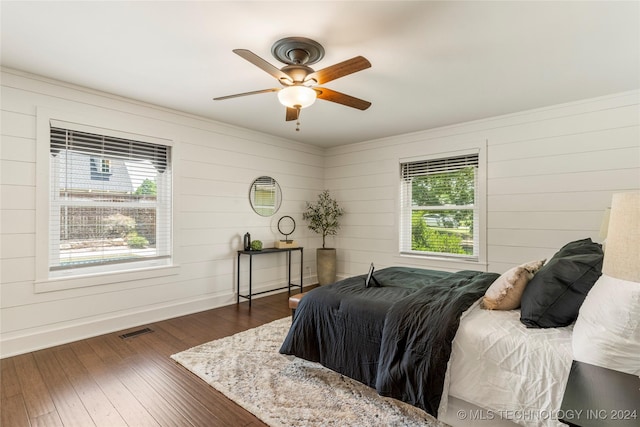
[110,203]
[439,209]
[105,165]
[100,169]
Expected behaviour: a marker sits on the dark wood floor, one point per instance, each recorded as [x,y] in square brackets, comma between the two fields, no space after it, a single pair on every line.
[109,381]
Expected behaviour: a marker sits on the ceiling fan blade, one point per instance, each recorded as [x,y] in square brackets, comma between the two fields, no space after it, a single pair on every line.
[220,98]
[264,65]
[340,69]
[292,114]
[341,98]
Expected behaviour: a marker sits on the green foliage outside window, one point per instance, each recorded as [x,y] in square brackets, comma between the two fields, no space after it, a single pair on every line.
[147,188]
[438,230]
[136,241]
[440,189]
[438,239]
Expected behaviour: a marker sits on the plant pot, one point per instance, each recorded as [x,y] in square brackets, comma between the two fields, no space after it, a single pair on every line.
[326,265]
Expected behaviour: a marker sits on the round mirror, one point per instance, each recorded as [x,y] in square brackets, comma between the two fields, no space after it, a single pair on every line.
[265,196]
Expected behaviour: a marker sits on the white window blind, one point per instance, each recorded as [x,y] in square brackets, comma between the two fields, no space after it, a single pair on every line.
[110,203]
[439,210]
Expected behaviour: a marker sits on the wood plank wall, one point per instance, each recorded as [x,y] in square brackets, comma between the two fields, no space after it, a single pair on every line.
[214,168]
[550,175]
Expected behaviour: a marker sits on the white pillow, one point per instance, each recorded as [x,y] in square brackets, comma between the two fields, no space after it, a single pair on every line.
[506,291]
[607,331]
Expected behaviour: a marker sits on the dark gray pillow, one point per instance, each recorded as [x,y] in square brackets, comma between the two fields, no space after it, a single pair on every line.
[554,296]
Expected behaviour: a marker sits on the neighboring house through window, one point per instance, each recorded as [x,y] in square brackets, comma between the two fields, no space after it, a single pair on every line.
[109,203]
[440,215]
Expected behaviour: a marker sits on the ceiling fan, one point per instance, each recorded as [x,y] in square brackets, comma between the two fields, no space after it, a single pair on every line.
[298,80]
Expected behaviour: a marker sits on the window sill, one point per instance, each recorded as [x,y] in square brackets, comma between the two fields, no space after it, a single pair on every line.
[107,278]
[441,263]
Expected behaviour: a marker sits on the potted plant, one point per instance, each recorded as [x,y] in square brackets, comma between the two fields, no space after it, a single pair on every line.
[322,217]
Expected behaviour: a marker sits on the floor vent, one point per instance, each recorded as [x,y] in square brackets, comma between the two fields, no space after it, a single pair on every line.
[135,333]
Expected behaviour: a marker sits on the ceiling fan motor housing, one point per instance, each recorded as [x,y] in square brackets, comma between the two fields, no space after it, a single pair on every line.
[298,73]
[297,51]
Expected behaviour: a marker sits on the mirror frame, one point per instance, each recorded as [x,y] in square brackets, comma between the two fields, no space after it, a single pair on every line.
[274,205]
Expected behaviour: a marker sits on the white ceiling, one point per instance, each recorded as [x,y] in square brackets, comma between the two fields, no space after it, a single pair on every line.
[433,63]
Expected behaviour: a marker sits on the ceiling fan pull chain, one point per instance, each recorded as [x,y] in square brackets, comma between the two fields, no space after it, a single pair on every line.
[298,118]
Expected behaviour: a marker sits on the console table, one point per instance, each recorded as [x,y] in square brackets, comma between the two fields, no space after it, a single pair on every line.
[266,251]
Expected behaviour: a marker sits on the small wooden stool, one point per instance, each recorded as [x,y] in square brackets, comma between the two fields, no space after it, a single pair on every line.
[294,300]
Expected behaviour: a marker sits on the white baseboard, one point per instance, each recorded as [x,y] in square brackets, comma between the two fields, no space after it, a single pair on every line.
[15,343]
[20,342]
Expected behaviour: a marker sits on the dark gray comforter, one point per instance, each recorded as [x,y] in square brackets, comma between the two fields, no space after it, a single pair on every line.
[395,338]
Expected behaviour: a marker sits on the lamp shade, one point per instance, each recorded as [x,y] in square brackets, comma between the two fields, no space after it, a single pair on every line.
[622,254]
[604,226]
[297,96]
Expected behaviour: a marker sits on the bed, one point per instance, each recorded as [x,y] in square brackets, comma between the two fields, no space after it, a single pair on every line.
[422,336]
[516,373]
[384,336]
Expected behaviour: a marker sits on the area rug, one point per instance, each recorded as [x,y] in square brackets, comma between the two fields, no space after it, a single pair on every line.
[286,391]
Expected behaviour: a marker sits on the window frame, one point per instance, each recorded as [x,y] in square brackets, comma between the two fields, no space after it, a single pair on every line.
[100,275]
[448,261]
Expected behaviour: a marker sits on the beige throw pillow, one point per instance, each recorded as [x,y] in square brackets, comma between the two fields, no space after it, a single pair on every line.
[505,293]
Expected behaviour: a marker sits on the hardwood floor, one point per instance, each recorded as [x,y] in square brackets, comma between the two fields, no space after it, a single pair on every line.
[109,381]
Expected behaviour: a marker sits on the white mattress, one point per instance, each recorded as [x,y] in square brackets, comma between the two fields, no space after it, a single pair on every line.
[514,372]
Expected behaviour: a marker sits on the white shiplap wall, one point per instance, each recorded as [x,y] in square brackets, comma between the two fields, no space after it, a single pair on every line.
[550,175]
[216,164]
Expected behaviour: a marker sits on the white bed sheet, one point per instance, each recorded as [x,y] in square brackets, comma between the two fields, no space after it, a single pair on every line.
[516,373]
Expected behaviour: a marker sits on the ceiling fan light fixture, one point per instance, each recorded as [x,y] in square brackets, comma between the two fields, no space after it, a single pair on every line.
[297,96]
